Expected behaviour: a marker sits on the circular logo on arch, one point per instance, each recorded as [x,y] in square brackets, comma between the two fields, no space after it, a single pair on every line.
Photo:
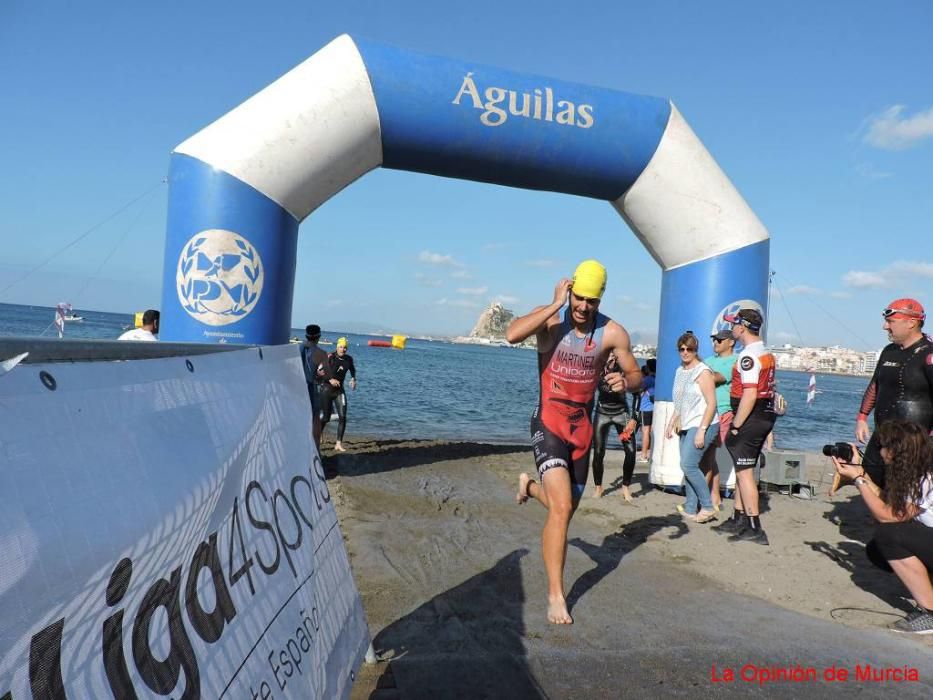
[719,324]
[219,277]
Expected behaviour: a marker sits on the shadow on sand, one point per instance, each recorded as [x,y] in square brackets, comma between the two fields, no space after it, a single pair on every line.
[608,555]
[375,456]
[858,527]
[465,642]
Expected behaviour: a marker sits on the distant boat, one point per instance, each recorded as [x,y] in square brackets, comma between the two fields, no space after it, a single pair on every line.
[811,389]
[72,317]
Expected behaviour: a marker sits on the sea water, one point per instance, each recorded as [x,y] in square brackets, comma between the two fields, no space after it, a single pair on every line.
[436,389]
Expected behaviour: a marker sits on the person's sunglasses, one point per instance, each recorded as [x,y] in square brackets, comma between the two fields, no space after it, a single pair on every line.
[684,348]
[716,340]
[888,313]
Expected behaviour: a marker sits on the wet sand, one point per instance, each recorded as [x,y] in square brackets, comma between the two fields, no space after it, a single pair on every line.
[453,585]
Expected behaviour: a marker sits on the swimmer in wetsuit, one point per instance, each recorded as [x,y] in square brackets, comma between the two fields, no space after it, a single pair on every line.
[612,410]
[340,365]
[572,348]
[902,384]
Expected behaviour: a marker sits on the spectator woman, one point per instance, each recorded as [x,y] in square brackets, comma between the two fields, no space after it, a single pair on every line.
[694,419]
[903,542]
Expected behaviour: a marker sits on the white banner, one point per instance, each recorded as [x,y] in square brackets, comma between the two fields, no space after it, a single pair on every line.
[166,531]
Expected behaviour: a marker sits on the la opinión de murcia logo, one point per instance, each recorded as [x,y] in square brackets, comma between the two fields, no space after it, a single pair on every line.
[539,105]
[219,277]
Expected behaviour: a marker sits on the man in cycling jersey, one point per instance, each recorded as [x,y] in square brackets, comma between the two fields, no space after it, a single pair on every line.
[572,349]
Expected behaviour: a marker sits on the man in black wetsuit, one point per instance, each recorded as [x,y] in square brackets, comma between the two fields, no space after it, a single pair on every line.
[902,385]
[612,410]
[335,397]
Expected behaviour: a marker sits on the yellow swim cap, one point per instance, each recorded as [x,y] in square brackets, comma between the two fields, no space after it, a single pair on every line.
[341,341]
[589,280]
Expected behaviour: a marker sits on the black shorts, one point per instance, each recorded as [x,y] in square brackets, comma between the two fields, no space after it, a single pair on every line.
[646,418]
[895,541]
[552,452]
[745,445]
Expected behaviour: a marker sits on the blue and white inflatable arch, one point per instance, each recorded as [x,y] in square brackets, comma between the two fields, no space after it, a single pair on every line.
[240,187]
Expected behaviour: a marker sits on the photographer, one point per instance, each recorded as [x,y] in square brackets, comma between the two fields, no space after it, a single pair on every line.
[903,542]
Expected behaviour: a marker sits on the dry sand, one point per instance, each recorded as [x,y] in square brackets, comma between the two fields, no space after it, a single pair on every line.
[451,578]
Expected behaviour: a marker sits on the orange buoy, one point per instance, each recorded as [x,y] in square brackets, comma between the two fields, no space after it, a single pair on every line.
[379,344]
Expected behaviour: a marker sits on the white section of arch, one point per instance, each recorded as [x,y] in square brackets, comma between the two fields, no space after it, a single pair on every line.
[683,208]
[303,138]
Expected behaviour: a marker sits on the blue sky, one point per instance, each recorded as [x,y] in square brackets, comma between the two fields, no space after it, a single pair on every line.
[820,113]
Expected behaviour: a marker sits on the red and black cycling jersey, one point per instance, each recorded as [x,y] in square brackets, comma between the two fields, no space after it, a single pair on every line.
[902,385]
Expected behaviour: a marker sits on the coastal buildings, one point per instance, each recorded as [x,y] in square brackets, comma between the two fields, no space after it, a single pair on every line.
[834,359]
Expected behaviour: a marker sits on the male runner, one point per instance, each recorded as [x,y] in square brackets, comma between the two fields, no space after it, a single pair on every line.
[572,349]
[902,384]
[752,396]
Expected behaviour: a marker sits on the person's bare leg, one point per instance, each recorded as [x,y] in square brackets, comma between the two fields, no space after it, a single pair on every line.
[714,491]
[560,507]
[746,492]
[627,494]
[645,442]
[339,447]
[598,491]
[914,575]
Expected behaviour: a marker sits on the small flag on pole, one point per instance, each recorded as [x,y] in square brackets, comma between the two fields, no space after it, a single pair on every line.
[811,389]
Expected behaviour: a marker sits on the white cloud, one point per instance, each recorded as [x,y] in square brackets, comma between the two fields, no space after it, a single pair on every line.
[893,131]
[505,299]
[461,275]
[895,274]
[473,291]
[426,256]
[460,303]
[840,295]
[426,281]
[804,289]
[863,280]
[917,269]
[539,263]
[868,170]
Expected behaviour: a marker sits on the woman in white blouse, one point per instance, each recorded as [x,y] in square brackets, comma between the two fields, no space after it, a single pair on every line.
[695,421]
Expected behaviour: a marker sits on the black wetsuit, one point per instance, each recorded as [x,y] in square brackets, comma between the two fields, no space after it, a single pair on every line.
[901,388]
[336,398]
[612,410]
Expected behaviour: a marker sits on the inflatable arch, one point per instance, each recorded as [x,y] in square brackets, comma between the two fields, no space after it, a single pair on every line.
[240,187]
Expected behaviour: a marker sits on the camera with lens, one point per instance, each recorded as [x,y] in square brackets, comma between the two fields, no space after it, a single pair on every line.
[840,450]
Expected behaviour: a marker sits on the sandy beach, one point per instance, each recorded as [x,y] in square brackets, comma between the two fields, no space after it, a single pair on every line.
[452,582]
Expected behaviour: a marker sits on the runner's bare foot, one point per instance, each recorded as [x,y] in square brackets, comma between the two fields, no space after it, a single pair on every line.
[523,481]
[339,447]
[627,495]
[557,611]
[598,493]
